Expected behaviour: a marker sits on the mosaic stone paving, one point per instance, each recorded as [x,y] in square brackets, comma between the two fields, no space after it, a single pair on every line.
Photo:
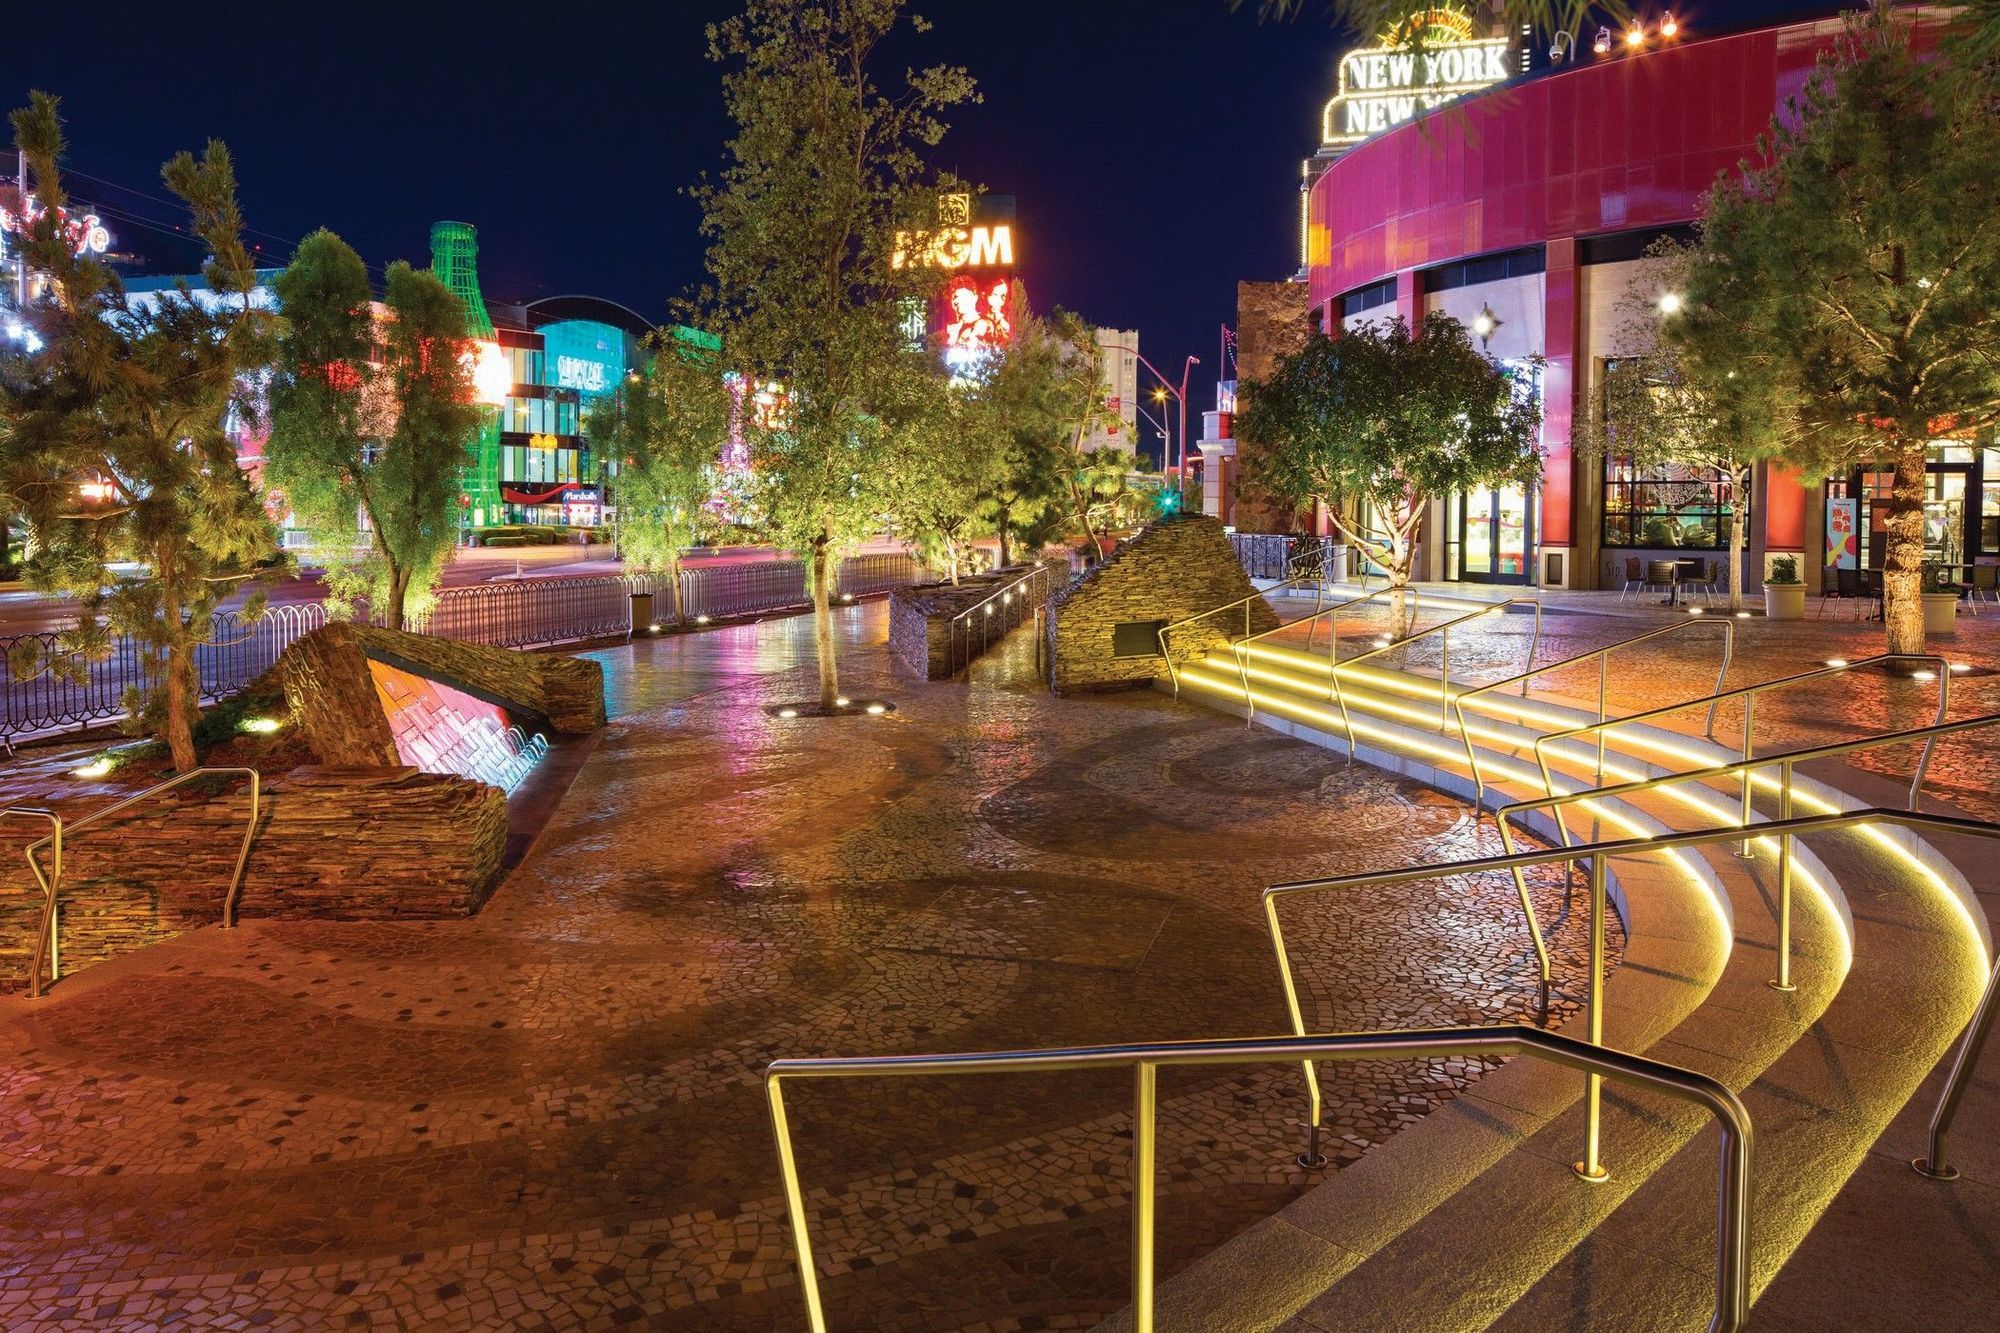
[551,1117]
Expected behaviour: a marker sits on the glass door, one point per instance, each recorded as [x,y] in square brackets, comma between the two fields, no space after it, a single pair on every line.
[1495,531]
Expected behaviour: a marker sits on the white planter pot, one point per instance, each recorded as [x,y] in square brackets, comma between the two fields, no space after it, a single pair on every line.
[1784,601]
[1940,612]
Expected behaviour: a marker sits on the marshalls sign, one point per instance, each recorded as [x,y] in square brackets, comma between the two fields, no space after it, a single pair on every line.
[1431,58]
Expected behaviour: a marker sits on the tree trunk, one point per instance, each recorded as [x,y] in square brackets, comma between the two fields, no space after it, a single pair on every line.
[674,585]
[183,706]
[1903,552]
[399,586]
[1005,547]
[822,580]
[1739,533]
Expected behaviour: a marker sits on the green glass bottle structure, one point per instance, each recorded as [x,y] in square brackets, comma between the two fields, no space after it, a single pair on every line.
[455,260]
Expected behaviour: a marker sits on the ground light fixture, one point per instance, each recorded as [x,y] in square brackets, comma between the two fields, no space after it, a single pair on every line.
[842,702]
[1670,303]
[788,712]
[653,628]
[260,726]
[1742,615]
[1697,610]
[96,768]
[1836,661]
[1923,675]
[1960,668]
[876,710]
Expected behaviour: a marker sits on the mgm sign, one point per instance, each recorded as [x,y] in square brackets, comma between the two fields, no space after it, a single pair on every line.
[1432,57]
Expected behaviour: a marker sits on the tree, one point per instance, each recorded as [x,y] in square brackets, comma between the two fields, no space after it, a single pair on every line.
[366,432]
[1016,411]
[939,465]
[1687,396]
[1392,419]
[665,429]
[115,446]
[1079,398]
[1857,261]
[824,192]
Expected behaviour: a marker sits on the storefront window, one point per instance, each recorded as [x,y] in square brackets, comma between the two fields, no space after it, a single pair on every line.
[1668,506]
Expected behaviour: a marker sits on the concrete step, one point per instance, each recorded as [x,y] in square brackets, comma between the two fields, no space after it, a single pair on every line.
[1438,1229]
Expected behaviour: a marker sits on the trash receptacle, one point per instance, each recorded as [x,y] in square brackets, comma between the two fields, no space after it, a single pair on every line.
[642,613]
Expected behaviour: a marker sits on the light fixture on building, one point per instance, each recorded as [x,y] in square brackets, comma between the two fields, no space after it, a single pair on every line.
[1486,324]
[1668,28]
[1670,303]
[1559,47]
[1635,36]
[1603,43]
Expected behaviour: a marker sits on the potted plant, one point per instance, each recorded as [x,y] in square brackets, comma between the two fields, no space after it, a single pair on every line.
[1940,600]
[1784,593]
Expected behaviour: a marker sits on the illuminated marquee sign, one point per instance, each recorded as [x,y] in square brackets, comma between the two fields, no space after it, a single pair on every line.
[87,233]
[959,242]
[1432,57]
[978,320]
[577,372]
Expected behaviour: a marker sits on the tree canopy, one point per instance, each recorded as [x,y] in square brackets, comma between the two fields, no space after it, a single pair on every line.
[1389,417]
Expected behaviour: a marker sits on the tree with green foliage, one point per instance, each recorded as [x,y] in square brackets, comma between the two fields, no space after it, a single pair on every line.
[370,438]
[115,445]
[665,430]
[939,464]
[824,192]
[1687,395]
[1854,267]
[1393,419]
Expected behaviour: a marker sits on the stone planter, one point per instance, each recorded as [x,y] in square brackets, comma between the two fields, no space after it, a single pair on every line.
[1784,601]
[1940,612]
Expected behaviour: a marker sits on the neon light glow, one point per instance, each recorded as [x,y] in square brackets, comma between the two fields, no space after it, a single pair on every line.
[492,373]
[1391,83]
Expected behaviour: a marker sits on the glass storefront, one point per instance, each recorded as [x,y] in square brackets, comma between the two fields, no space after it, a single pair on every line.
[1961,504]
[1489,536]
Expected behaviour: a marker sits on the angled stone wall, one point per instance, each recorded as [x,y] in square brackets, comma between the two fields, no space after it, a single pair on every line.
[1170,570]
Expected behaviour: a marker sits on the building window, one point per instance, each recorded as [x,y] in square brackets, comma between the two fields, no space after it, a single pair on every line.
[1669,506]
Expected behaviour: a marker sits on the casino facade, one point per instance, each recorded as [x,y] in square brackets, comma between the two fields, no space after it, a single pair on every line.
[1524,211]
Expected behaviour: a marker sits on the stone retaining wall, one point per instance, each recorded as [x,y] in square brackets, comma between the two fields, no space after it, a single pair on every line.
[336,844]
[921,620]
[1170,570]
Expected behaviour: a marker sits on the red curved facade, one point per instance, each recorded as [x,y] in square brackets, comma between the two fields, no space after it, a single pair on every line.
[1558,169]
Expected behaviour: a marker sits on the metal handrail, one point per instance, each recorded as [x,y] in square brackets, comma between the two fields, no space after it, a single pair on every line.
[1004,594]
[1318,580]
[1598,853]
[1785,761]
[1748,693]
[1311,623]
[46,943]
[1732,1251]
[1603,656]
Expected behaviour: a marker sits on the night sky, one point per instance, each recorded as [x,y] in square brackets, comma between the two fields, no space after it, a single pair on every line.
[1153,147]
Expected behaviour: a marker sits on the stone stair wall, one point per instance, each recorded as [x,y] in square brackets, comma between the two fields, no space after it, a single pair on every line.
[349,844]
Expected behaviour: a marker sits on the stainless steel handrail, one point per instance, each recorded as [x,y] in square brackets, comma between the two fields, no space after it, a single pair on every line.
[45,941]
[1444,667]
[1748,693]
[1335,694]
[1317,579]
[1004,596]
[1598,853]
[1603,656]
[1732,1250]
[46,944]
[1785,761]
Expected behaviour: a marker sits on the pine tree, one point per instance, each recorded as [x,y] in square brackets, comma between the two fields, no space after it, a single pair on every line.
[115,446]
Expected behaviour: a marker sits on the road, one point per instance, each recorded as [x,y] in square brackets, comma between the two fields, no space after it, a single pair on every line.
[26,612]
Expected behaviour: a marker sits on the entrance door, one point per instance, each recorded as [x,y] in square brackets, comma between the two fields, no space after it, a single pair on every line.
[1494,533]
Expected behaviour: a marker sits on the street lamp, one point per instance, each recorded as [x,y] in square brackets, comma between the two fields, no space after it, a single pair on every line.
[1167,385]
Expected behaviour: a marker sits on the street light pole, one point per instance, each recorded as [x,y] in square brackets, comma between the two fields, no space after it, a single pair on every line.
[1180,393]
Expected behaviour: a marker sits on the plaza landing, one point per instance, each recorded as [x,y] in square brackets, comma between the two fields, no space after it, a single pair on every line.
[550,1115]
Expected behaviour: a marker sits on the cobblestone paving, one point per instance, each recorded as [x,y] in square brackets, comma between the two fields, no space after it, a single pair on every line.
[550,1116]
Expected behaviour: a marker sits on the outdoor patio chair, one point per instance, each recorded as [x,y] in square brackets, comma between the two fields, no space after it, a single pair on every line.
[1662,574]
[1984,584]
[1634,577]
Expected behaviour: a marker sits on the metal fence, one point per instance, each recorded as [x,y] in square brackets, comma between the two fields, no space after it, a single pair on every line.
[1267,555]
[237,652]
[528,613]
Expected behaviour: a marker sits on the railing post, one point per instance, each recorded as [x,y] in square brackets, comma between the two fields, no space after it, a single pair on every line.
[1603,706]
[1935,1166]
[1784,977]
[1749,711]
[795,1205]
[1444,680]
[1591,1168]
[1145,1107]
